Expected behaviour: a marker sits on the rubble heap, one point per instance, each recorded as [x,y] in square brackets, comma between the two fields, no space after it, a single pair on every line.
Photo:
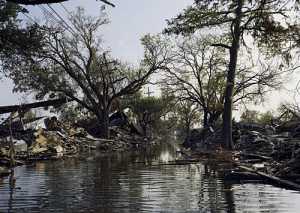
[255,142]
[52,139]
[275,151]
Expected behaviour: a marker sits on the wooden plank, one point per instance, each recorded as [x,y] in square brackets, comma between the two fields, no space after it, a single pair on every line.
[24,107]
[273,179]
[256,156]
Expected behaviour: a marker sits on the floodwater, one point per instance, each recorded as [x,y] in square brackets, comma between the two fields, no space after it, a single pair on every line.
[135,183]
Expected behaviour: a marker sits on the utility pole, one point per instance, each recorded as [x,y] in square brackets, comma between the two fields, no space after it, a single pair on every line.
[148,92]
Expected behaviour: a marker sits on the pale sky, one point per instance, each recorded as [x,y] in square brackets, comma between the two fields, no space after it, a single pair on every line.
[130,20]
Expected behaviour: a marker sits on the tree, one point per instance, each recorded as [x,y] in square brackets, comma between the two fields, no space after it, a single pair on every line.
[14,37]
[149,111]
[267,118]
[288,112]
[74,65]
[250,116]
[254,116]
[188,114]
[196,71]
[196,74]
[8,22]
[265,21]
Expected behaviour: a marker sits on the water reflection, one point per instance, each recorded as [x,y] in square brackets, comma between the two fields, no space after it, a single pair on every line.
[135,182]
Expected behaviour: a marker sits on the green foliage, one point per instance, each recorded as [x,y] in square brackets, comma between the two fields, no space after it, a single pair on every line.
[151,113]
[250,116]
[268,22]
[187,114]
[266,118]
[16,39]
[8,14]
[71,113]
[77,66]
[154,106]
[253,116]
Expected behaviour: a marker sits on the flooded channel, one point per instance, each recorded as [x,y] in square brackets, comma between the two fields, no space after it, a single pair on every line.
[135,183]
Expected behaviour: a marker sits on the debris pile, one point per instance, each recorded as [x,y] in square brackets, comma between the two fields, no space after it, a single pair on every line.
[274,152]
[29,138]
[290,169]
[255,142]
[52,139]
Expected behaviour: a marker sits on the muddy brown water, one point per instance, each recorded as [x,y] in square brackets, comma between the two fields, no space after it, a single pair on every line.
[134,182]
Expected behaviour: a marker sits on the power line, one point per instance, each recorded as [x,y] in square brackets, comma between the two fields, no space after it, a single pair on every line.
[70,14]
[66,24]
[31,19]
[65,9]
[49,15]
[46,12]
[53,19]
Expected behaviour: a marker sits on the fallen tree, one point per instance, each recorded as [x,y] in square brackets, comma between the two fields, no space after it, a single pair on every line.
[273,179]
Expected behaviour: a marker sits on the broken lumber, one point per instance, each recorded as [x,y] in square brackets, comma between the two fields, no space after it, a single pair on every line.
[273,179]
[238,176]
[24,107]
[255,156]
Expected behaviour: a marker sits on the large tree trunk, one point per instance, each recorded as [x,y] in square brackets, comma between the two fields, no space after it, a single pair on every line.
[205,118]
[105,124]
[234,49]
[187,128]
[103,119]
[144,123]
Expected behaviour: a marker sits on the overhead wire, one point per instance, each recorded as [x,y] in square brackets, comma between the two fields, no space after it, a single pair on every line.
[68,12]
[30,18]
[63,21]
[49,15]
[65,9]
[56,20]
